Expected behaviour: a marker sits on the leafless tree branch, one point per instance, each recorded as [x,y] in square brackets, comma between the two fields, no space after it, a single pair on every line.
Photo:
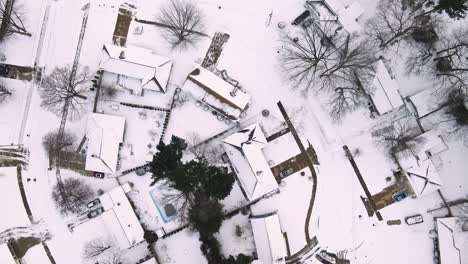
[182,23]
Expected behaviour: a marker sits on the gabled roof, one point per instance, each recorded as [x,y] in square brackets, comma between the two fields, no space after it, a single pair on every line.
[421,174]
[244,149]
[218,87]
[105,133]
[139,63]
[430,144]
[119,216]
[384,90]
[425,102]
[448,249]
[332,10]
[269,239]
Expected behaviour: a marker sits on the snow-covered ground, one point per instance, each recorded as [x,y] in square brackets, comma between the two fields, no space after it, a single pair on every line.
[339,219]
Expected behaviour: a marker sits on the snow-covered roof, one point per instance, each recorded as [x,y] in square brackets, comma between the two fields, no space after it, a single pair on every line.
[119,216]
[139,63]
[429,144]
[322,11]
[421,174]
[384,90]
[348,17]
[244,150]
[269,239]
[332,10]
[425,102]
[5,255]
[105,133]
[281,149]
[218,87]
[449,253]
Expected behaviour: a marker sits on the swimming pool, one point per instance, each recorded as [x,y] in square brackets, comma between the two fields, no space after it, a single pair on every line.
[157,199]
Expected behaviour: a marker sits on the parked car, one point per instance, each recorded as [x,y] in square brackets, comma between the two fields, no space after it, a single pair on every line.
[399,196]
[301,18]
[95,212]
[93,203]
[414,219]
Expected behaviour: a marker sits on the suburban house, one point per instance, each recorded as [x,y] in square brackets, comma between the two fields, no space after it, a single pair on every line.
[6,256]
[269,239]
[449,245]
[423,103]
[418,168]
[120,218]
[105,133]
[216,92]
[324,11]
[135,69]
[245,151]
[384,90]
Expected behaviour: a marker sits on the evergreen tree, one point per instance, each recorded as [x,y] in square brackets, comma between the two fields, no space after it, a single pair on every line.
[168,158]
[453,8]
[206,215]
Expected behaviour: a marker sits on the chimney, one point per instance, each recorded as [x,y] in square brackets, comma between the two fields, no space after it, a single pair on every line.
[122,55]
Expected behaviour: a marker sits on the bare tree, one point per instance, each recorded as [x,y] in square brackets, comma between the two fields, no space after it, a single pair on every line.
[11,18]
[398,136]
[49,142]
[204,150]
[181,23]
[78,194]
[455,118]
[418,59]
[323,57]
[60,86]
[347,98]
[4,91]
[393,20]
[95,248]
[113,257]
[306,55]
[451,62]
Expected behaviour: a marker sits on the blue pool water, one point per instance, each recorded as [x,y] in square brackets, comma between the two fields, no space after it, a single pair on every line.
[157,201]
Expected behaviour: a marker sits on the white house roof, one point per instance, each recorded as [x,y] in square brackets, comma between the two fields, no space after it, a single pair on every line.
[215,85]
[422,175]
[244,149]
[5,255]
[119,216]
[448,249]
[105,133]
[425,102]
[430,144]
[269,239]
[348,17]
[139,63]
[384,90]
